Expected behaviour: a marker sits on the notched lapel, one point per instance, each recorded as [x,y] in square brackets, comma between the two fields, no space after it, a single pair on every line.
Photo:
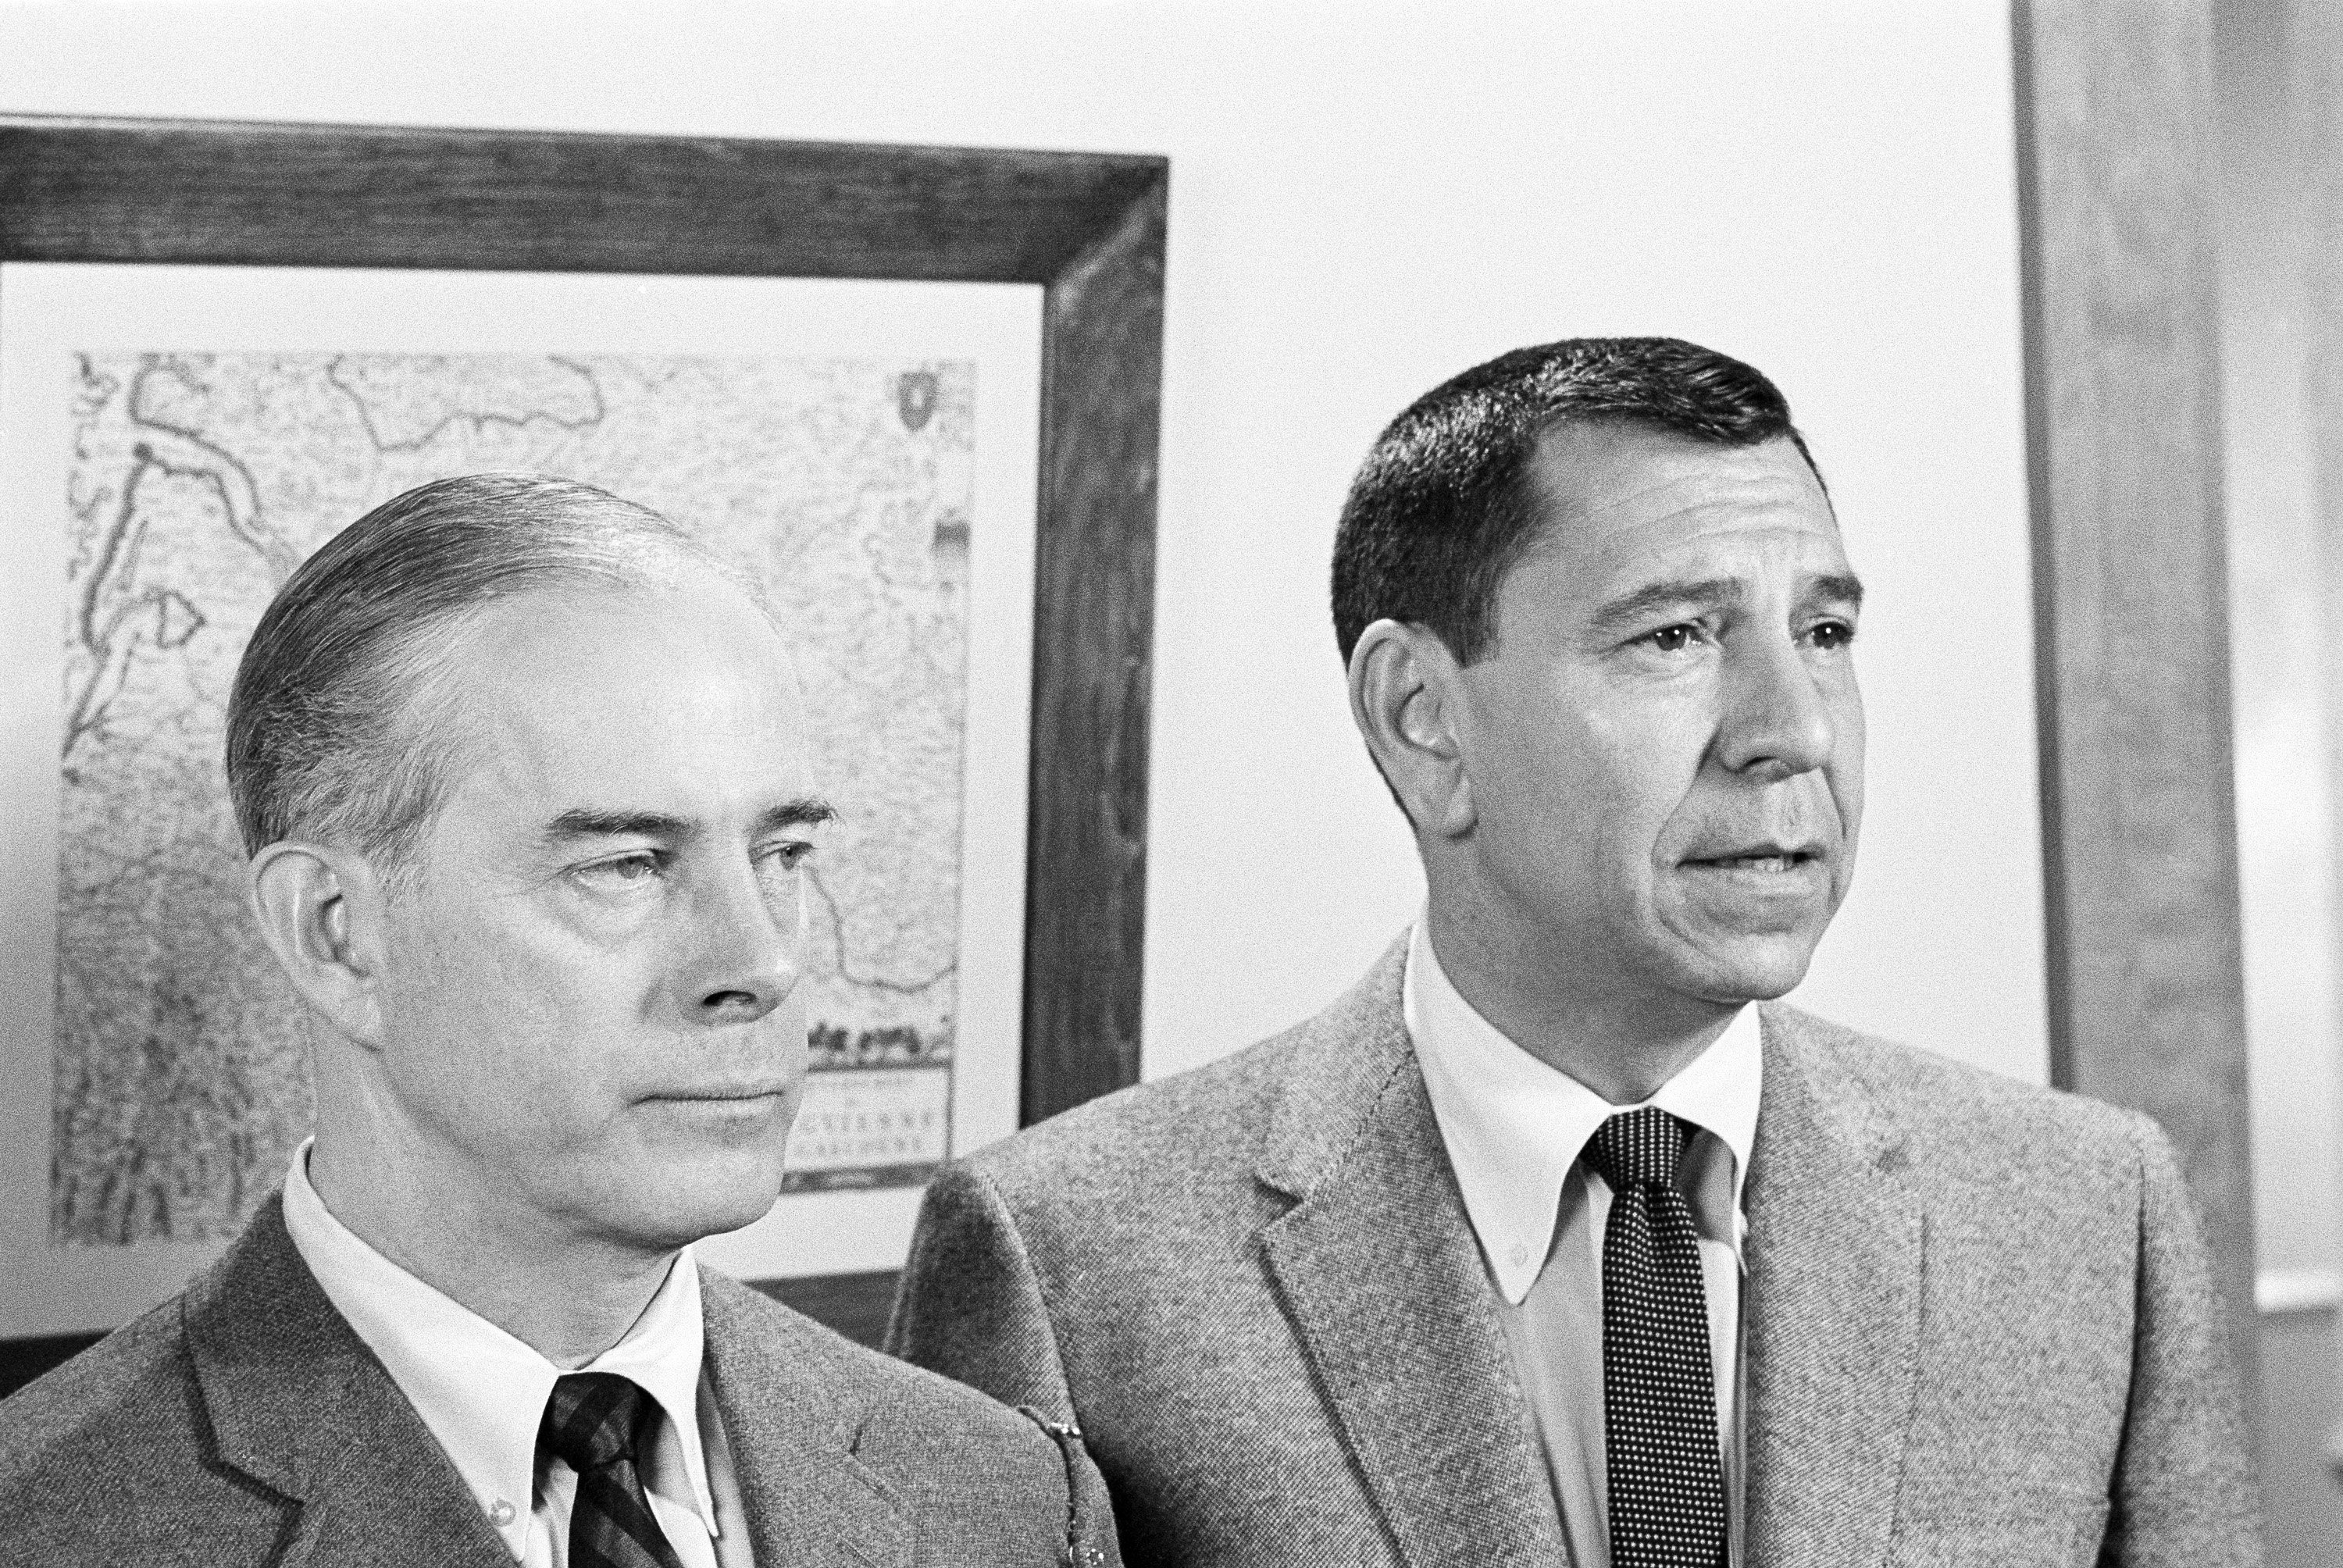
[1377,1269]
[809,1501]
[1836,1243]
[299,1404]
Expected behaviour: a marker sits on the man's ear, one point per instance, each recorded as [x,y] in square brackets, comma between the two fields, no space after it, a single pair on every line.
[1407,699]
[321,912]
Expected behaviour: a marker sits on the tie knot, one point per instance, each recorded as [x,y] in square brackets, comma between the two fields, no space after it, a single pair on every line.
[594,1419]
[1637,1148]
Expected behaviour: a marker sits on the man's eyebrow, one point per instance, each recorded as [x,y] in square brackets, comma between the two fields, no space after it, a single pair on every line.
[586,822]
[1630,610]
[1843,588]
[804,811]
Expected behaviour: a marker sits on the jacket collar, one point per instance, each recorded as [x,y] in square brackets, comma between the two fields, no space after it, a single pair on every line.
[481,1391]
[1836,1255]
[1376,1266]
[794,1409]
[297,1403]
[1344,1060]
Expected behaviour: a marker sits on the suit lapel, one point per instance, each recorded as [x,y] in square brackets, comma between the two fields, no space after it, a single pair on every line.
[1834,1260]
[793,1432]
[1377,1267]
[299,1403]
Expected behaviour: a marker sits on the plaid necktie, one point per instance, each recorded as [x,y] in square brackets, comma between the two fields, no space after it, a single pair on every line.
[596,1423]
[1659,1390]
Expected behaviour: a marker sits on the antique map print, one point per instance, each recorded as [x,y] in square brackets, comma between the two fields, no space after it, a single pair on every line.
[200,481]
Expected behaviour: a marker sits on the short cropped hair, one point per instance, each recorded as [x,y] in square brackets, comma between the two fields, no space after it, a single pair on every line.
[1445,505]
[338,727]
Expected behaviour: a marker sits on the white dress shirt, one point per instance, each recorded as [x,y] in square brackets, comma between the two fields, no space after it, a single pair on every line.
[1513,1128]
[482,1393]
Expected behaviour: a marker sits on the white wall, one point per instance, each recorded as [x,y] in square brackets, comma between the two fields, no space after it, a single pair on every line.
[1366,198]
[2281,628]
[2277,65]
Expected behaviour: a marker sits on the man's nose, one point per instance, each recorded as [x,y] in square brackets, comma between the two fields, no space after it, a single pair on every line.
[740,953]
[1777,720]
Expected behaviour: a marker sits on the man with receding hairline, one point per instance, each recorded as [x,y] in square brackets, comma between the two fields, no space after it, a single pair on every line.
[1543,1244]
[525,783]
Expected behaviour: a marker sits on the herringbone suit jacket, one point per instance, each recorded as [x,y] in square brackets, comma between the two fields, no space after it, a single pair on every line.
[1978,1325]
[245,1422]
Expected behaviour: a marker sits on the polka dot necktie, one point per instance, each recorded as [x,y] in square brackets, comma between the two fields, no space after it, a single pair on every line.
[1659,1390]
[596,1423]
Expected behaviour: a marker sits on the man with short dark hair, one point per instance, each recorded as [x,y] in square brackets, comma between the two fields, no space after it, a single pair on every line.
[524,785]
[1542,1244]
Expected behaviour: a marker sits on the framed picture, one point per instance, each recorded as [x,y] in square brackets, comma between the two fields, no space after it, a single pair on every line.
[912,391]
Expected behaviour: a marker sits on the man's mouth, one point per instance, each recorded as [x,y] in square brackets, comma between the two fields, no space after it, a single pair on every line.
[1765,858]
[726,1093]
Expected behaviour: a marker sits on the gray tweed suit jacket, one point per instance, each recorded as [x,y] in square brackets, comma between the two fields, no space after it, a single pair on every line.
[243,1421]
[1979,1328]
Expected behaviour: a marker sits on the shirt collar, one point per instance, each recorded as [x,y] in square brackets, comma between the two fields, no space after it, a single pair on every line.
[480,1390]
[1515,1126]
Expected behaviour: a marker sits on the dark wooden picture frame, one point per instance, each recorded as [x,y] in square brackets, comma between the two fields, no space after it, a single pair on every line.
[1088,227]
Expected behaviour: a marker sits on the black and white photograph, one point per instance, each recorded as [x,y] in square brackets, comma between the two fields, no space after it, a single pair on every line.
[1172,783]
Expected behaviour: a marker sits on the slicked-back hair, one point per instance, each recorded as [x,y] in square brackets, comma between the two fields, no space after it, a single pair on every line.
[339,728]
[1446,505]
